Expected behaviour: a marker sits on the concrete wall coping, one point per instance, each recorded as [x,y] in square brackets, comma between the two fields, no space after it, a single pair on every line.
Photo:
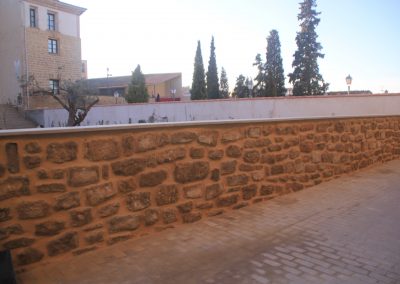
[116,127]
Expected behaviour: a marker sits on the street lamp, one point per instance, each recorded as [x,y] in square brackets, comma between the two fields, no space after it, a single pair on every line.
[348,82]
[173,92]
[250,86]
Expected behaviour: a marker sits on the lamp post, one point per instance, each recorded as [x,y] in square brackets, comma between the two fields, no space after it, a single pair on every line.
[173,92]
[348,82]
[250,87]
[108,83]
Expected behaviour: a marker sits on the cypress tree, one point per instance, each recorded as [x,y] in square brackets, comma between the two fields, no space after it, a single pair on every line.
[241,90]
[223,85]
[198,90]
[274,76]
[137,91]
[212,75]
[259,87]
[306,79]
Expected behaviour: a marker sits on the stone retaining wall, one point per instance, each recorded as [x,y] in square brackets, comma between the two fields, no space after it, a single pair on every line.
[65,194]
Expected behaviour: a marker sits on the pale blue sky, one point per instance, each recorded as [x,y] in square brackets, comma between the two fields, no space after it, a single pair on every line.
[359,37]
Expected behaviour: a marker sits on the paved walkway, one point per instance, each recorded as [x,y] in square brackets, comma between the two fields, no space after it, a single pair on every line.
[343,231]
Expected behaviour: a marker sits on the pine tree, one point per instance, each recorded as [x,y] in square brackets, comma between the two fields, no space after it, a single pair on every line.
[212,75]
[274,76]
[259,87]
[223,85]
[306,79]
[198,90]
[137,91]
[241,90]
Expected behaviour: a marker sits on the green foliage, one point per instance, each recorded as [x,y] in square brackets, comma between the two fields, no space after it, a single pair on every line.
[223,85]
[212,75]
[259,87]
[137,91]
[241,90]
[274,76]
[198,90]
[306,79]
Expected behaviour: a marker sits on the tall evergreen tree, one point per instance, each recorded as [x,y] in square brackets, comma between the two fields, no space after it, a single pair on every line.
[223,84]
[198,90]
[306,79]
[274,77]
[241,90]
[259,87]
[137,91]
[212,75]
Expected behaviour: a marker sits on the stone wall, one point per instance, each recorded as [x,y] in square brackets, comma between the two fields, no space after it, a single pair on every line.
[64,194]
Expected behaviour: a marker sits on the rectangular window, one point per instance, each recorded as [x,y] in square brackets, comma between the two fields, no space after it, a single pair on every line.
[54,86]
[52,46]
[32,17]
[51,21]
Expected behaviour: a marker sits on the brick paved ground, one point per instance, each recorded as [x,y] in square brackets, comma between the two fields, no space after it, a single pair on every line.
[344,231]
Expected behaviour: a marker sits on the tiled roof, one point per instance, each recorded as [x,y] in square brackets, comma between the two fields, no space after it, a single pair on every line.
[123,81]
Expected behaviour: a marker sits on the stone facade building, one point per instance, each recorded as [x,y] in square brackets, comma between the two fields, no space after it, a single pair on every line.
[39,38]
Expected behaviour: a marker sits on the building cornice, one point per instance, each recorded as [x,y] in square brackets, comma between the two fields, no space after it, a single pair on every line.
[58,5]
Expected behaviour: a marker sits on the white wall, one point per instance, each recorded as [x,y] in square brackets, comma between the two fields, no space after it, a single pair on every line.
[67,24]
[286,107]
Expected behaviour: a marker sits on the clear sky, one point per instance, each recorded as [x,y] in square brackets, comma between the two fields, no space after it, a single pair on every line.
[359,37]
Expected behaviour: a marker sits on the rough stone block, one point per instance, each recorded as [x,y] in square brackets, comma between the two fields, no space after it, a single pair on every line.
[208,138]
[233,151]
[62,152]
[197,153]
[216,154]
[227,200]
[151,217]
[123,223]
[81,176]
[33,209]
[138,201]
[169,216]
[18,243]
[277,169]
[80,217]
[32,162]
[231,136]
[98,194]
[33,148]
[235,180]
[262,142]
[12,157]
[213,191]
[254,132]
[108,210]
[105,172]
[228,167]
[58,174]
[49,228]
[101,150]
[63,244]
[188,172]
[125,186]
[152,178]
[42,174]
[193,191]
[167,194]
[14,187]
[215,212]
[185,207]
[2,170]
[67,201]
[171,155]
[215,175]
[306,147]
[128,167]
[93,238]
[249,191]
[5,214]
[183,137]
[251,156]
[149,142]
[51,188]
[204,205]
[191,217]
[29,256]
[118,239]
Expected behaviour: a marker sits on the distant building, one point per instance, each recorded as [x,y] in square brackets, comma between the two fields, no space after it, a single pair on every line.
[39,38]
[168,85]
